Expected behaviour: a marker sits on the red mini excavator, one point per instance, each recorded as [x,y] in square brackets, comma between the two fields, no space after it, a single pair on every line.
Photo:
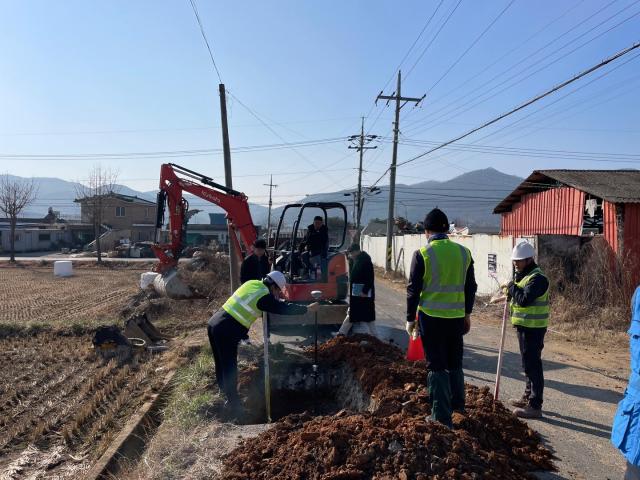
[176,180]
[170,195]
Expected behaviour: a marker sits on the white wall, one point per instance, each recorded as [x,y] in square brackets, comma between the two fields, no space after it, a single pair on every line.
[480,245]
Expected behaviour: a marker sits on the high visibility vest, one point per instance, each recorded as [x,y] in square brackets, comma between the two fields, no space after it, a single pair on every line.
[445,272]
[243,304]
[535,315]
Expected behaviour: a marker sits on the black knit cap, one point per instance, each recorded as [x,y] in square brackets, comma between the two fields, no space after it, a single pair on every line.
[436,221]
[260,243]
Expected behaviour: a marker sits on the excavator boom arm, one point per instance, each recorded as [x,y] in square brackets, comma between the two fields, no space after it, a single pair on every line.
[171,192]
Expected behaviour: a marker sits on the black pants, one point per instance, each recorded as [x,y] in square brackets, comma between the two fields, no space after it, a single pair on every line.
[531,342]
[443,348]
[225,333]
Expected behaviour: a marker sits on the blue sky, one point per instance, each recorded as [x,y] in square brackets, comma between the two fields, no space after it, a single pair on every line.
[121,76]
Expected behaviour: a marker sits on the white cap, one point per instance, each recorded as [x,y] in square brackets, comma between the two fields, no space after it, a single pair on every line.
[278,278]
[523,251]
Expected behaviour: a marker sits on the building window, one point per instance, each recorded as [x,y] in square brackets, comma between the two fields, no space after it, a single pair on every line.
[146,213]
[119,211]
[17,237]
[44,237]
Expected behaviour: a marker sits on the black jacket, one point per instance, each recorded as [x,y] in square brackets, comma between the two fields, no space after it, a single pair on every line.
[254,268]
[534,289]
[317,240]
[361,271]
[414,287]
[270,304]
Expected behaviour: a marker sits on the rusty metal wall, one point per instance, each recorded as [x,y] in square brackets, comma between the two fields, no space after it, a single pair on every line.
[557,211]
[610,224]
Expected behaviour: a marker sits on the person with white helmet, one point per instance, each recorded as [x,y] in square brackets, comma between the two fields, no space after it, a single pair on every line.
[232,322]
[528,296]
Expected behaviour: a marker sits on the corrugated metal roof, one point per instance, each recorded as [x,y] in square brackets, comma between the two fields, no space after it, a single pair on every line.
[616,186]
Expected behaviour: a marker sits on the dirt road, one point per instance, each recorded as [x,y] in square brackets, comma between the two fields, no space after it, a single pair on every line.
[579,403]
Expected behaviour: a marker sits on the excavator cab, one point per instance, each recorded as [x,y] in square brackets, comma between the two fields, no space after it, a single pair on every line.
[328,275]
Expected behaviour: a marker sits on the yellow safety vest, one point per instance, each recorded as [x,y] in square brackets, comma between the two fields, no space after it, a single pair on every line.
[243,304]
[445,272]
[535,315]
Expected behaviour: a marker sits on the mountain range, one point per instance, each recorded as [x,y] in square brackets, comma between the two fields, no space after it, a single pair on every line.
[468,199]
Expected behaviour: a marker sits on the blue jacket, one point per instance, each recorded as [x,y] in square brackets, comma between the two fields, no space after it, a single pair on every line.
[625,434]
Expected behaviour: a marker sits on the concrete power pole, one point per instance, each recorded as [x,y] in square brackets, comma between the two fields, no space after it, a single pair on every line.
[270,185]
[397,96]
[233,253]
[360,147]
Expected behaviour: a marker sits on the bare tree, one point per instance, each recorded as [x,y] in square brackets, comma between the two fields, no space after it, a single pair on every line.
[94,196]
[15,195]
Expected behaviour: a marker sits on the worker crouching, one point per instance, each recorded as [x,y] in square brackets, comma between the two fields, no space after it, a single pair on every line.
[442,288]
[232,322]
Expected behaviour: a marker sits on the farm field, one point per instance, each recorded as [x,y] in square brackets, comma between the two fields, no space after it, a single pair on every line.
[61,404]
[33,297]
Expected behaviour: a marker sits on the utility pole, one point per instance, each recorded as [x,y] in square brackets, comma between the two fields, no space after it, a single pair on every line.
[360,147]
[270,185]
[233,253]
[392,171]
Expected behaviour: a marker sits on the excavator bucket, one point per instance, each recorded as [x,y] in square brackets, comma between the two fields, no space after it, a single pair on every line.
[170,285]
[139,326]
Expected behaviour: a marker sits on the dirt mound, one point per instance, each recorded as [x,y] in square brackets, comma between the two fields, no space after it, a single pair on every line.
[206,274]
[395,439]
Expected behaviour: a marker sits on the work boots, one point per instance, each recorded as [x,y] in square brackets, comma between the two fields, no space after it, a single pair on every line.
[519,402]
[528,412]
[440,393]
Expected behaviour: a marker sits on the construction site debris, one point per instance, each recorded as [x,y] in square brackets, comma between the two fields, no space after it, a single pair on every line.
[395,438]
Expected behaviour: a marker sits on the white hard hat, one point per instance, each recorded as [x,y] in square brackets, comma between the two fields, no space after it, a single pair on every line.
[278,278]
[523,251]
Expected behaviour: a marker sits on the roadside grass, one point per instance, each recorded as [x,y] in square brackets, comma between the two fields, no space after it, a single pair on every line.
[194,397]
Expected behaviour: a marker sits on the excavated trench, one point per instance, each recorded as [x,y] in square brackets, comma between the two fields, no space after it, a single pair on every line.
[362,414]
[296,388]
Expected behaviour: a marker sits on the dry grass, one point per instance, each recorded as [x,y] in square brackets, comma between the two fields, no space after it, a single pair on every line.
[590,293]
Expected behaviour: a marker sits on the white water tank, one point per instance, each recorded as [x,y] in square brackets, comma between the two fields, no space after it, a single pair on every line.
[63,268]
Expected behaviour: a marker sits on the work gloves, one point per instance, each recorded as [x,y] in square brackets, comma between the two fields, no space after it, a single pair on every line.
[505,287]
[412,329]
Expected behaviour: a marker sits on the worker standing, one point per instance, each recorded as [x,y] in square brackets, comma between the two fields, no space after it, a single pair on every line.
[625,434]
[362,307]
[442,288]
[528,296]
[255,266]
[232,322]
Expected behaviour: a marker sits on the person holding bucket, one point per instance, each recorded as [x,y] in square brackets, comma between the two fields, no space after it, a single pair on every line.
[442,288]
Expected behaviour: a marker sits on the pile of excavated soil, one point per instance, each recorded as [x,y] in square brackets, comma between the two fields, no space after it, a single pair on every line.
[395,439]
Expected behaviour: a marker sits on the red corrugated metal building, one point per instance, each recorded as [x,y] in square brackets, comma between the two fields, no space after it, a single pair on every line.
[578,202]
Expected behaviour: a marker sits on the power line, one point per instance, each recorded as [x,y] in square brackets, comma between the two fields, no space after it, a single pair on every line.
[523,105]
[478,38]
[531,101]
[204,36]
[433,39]
[169,153]
[457,110]
[499,59]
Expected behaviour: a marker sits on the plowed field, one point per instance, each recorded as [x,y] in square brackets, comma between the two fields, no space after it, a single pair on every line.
[33,296]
